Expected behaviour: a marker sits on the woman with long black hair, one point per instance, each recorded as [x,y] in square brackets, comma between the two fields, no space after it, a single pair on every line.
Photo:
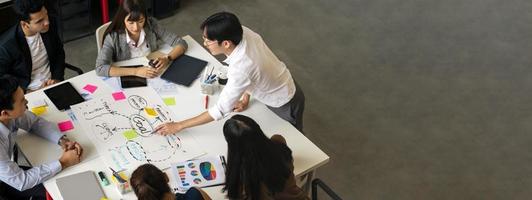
[150,183]
[131,34]
[258,167]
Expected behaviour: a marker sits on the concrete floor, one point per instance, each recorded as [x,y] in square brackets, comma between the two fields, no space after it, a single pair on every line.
[411,99]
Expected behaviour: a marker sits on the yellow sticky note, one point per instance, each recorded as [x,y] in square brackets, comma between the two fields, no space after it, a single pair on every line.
[150,111]
[39,110]
[130,134]
[169,101]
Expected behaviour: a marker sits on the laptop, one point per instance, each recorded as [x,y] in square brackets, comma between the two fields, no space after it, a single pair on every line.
[80,186]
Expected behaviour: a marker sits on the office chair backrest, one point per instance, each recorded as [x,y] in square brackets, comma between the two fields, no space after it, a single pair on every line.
[99,35]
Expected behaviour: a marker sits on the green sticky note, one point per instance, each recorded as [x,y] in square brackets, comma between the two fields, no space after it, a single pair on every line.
[130,134]
[170,101]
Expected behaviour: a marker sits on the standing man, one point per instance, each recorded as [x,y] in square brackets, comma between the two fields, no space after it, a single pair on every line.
[253,70]
[22,182]
[31,50]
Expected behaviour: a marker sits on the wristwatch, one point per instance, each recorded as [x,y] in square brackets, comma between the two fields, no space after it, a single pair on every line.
[64,137]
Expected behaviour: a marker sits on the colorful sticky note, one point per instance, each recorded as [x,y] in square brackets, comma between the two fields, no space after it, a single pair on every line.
[130,134]
[170,101]
[119,96]
[90,88]
[150,111]
[65,125]
[39,110]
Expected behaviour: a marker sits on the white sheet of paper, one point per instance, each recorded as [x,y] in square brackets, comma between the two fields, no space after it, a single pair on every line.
[122,130]
[38,103]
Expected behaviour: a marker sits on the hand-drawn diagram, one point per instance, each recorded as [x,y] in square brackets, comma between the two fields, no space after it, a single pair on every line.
[123,130]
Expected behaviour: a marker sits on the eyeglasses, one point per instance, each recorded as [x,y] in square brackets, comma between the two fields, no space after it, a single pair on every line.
[207,42]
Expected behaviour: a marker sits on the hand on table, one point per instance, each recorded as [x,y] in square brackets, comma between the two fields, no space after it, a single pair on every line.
[147,72]
[169,128]
[241,106]
[161,62]
[66,144]
[69,158]
[49,82]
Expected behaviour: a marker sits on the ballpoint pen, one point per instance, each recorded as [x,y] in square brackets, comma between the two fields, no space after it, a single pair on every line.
[223,162]
[117,176]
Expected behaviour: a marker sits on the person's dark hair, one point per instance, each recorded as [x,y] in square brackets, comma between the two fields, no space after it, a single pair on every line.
[252,160]
[24,8]
[149,183]
[134,8]
[223,26]
[7,89]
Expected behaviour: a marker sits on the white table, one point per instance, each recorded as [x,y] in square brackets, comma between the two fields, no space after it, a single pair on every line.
[307,156]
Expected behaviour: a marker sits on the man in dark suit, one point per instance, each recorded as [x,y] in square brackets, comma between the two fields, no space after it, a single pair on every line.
[31,50]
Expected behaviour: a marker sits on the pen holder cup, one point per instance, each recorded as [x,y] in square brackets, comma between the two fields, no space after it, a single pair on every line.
[208,88]
[123,187]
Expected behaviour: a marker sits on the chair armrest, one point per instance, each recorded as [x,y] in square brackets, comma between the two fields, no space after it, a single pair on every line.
[73,68]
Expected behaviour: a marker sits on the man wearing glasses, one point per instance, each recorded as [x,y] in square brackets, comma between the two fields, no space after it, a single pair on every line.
[253,70]
[31,50]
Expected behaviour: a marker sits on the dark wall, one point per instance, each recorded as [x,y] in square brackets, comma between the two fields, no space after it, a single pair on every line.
[7,16]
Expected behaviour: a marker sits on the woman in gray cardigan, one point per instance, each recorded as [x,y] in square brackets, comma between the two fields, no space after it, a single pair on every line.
[133,34]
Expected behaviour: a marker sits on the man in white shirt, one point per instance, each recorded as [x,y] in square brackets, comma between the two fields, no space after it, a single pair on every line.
[18,182]
[253,70]
[31,51]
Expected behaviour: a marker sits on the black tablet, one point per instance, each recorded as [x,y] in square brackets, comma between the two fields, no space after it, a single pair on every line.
[184,70]
[133,81]
[63,96]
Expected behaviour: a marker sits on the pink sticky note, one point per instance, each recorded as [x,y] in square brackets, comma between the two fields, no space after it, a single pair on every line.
[90,88]
[65,126]
[119,96]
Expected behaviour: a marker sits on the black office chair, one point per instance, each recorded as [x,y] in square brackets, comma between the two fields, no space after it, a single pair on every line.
[318,182]
[69,16]
[74,68]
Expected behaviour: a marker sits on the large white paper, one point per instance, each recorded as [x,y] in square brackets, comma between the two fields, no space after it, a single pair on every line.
[121,129]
